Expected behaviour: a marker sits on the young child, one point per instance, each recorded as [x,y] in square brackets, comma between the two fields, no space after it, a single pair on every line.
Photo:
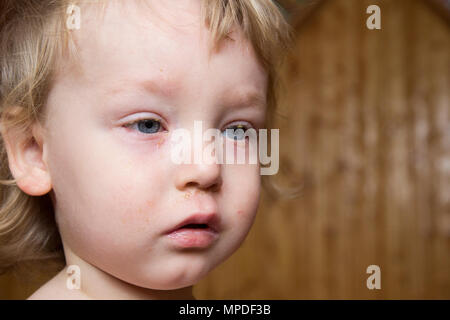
[90,94]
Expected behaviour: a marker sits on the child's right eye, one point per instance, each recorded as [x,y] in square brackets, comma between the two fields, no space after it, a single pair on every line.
[146,126]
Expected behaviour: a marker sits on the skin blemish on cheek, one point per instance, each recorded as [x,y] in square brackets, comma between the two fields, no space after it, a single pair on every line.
[240,212]
[159,143]
[187,195]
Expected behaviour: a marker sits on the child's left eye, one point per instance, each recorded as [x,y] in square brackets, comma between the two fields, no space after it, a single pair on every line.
[236,131]
[147,126]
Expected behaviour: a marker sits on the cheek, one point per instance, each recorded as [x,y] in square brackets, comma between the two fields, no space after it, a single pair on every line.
[135,206]
[138,217]
[240,204]
[105,197]
[242,192]
[126,198]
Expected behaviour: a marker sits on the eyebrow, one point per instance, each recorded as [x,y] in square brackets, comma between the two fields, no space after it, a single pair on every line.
[244,98]
[233,98]
[157,86]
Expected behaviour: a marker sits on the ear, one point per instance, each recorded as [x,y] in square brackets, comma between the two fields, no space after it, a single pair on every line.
[26,158]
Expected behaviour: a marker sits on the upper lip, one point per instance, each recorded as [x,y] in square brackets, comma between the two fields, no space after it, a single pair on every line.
[211,219]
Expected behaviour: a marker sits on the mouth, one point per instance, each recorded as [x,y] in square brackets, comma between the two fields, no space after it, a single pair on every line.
[197,231]
[199,221]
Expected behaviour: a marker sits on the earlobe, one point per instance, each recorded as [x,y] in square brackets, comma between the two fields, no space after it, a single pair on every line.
[25,158]
[35,183]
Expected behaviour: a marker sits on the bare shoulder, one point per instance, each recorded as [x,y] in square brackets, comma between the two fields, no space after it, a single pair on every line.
[56,289]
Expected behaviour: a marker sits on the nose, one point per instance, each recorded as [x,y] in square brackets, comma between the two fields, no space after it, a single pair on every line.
[205,171]
[202,176]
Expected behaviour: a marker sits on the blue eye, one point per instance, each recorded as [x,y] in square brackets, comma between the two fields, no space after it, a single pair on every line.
[236,132]
[147,126]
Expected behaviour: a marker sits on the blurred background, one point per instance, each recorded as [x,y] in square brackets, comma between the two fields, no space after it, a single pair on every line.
[365,133]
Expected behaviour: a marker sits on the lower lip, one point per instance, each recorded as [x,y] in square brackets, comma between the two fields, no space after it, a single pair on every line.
[193,238]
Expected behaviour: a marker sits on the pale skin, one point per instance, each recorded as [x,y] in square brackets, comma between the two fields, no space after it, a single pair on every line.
[114,189]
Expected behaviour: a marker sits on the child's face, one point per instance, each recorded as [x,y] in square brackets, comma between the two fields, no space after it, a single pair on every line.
[117,191]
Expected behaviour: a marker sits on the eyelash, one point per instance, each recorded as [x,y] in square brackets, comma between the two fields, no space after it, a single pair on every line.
[245,127]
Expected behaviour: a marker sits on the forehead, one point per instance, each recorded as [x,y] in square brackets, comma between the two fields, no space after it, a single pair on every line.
[166,40]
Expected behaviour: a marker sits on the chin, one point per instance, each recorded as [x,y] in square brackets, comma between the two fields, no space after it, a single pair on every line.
[173,279]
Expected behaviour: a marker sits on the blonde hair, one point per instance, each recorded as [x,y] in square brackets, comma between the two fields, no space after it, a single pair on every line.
[32,38]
